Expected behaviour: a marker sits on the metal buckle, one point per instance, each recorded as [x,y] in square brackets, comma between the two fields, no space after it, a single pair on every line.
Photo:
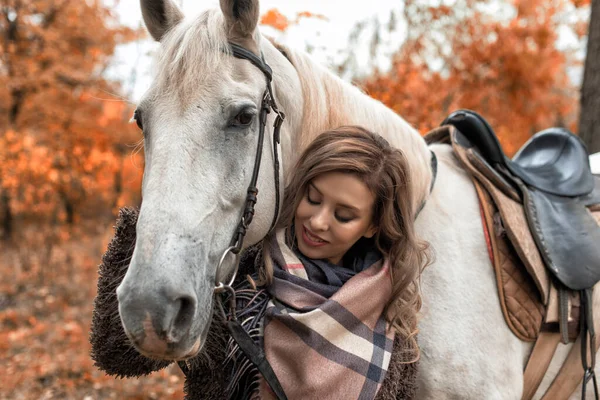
[220,286]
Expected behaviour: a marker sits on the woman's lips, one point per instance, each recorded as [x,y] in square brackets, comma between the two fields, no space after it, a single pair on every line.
[311,239]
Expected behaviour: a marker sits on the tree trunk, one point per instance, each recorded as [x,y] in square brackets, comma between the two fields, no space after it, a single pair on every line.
[118,185]
[589,120]
[69,209]
[6,216]
[17,96]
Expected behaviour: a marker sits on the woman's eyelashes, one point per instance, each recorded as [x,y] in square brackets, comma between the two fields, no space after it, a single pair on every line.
[343,220]
[315,202]
[310,200]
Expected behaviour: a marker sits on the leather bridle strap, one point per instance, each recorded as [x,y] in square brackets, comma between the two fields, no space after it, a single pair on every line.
[242,53]
[268,104]
[253,352]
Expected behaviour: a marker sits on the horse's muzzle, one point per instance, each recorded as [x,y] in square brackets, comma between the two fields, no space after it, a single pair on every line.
[159,323]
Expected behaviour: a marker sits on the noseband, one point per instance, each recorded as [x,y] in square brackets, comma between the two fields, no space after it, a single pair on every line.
[268,104]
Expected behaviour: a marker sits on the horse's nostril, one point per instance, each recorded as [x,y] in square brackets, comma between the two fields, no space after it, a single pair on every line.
[183,318]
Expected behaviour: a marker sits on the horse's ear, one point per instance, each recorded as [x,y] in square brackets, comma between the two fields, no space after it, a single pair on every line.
[241,16]
[160,16]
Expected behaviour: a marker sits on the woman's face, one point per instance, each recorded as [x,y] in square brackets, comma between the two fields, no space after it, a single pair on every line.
[335,211]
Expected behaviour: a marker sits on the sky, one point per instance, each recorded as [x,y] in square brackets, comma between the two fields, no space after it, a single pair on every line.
[327,38]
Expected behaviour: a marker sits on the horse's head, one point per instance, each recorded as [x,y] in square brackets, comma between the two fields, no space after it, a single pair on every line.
[200,120]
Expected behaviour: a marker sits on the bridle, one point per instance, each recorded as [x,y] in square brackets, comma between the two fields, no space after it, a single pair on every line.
[225,290]
[268,104]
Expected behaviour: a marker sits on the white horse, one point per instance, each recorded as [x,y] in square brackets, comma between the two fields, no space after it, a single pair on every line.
[199,119]
[595,163]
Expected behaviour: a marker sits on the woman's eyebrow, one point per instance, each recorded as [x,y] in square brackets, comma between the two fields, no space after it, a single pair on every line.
[348,206]
[314,187]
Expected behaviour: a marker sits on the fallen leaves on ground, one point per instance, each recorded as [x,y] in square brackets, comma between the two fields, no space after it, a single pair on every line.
[46,301]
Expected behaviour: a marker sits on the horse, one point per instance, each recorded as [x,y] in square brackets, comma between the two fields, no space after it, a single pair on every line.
[595,163]
[199,120]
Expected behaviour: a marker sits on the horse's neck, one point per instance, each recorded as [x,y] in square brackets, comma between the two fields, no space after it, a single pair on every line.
[329,102]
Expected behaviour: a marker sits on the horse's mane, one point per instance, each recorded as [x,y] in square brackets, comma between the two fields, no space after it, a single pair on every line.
[330,102]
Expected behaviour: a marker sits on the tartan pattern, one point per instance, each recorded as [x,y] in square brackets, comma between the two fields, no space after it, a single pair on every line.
[327,348]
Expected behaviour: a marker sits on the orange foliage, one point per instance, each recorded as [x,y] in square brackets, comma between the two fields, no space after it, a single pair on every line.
[277,20]
[580,3]
[65,165]
[508,70]
[61,131]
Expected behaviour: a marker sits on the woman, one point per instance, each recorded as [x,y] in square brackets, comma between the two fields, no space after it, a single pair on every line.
[339,277]
[342,269]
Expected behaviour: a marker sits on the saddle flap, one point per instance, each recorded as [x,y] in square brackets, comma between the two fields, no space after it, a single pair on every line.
[568,237]
[512,215]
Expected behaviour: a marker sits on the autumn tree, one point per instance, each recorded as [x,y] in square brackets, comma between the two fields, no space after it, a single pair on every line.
[275,19]
[58,125]
[589,122]
[498,58]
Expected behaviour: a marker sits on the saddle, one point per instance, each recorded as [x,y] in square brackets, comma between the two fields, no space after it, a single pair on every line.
[552,175]
[541,212]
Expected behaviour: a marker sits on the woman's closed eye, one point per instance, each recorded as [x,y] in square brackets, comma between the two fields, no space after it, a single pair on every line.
[343,218]
[315,201]
[310,200]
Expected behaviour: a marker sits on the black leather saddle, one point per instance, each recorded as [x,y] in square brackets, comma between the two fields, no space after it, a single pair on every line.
[552,173]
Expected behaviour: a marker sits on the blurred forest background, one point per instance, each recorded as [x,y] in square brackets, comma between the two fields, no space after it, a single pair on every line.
[69,158]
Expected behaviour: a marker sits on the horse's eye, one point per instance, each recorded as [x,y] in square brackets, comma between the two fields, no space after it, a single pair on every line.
[244,118]
[137,117]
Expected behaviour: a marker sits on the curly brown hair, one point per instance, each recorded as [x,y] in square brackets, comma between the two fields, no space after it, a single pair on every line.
[386,172]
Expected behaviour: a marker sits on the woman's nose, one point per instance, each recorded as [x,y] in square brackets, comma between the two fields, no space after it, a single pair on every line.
[319,221]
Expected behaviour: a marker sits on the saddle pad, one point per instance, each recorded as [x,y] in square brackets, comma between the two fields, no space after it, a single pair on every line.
[521,304]
[514,220]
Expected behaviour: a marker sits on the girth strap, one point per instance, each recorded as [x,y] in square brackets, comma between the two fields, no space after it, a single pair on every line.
[538,363]
[588,336]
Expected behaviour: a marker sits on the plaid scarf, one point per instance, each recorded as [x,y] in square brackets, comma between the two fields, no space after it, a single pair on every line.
[325,334]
